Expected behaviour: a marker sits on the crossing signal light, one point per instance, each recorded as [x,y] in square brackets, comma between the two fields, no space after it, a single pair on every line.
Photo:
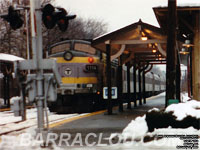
[51,17]
[14,18]
[48,16]
[63,19]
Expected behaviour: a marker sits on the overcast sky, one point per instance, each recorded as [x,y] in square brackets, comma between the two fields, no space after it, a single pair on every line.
[117,13]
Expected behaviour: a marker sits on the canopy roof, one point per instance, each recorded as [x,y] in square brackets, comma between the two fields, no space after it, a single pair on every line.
[185,18]
[127,42]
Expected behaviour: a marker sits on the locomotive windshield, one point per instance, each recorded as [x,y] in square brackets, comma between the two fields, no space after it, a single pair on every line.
[78,46]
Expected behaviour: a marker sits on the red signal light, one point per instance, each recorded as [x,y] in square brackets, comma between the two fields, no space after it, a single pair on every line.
[49,18]
[62,21]
[90,59]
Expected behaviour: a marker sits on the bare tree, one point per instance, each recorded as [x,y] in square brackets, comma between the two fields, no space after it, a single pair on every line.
[77,29]
[14,41]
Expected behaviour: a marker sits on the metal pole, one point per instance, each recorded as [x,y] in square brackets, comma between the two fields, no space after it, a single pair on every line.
[37,57]
[27,37]
[23,92]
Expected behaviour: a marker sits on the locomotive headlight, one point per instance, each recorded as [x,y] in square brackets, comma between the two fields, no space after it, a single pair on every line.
[68,55]
[90,59]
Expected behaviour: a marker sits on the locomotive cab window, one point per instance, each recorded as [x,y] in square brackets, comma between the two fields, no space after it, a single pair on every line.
[85,48]
[59,48]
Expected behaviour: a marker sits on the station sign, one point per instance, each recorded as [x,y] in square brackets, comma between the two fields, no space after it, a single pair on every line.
[113,92]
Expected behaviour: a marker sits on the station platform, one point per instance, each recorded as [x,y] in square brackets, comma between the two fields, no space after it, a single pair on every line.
[101,124]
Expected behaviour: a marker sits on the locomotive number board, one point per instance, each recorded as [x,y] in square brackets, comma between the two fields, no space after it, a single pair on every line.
[91,68]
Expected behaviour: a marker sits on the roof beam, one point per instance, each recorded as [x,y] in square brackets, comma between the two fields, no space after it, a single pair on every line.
[138,41]
[161,50]
[118,53]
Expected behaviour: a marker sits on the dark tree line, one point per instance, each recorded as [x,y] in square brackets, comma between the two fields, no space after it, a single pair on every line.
[14,41]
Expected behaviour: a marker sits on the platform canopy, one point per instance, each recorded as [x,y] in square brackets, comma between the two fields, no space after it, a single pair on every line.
[188,37]
[137,41]
[186,15]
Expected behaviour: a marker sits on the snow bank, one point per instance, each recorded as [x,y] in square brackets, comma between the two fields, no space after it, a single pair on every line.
[183,110]
[136,129]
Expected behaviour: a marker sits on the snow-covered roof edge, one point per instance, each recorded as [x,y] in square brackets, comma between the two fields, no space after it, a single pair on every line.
[8,57]
[183,3]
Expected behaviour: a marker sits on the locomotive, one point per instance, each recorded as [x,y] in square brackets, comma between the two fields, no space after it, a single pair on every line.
[82,70]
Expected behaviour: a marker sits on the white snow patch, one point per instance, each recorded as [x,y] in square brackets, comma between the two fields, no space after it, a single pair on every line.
[183,110]
[184,97]
[136,129]
[175,131]
[154,109]
[8,57]
[13,99]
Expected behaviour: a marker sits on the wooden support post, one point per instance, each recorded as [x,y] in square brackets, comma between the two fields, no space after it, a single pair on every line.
[128,86]
[144,88]
[191,88]
[120,86]
[178,80]
[108,74]
[134,85]
[196,61]
[140,87]
[171,52]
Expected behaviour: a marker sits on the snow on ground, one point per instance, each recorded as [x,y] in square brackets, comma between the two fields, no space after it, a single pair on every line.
[9,123]
[183,110]
[133,130]
[138,129]
[15,140]
[154,97]
[133,135]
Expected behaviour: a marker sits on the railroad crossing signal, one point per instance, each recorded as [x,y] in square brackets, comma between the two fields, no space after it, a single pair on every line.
[14,18]
[50,17]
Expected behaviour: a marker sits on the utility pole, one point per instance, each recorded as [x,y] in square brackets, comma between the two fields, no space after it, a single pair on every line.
[171,52]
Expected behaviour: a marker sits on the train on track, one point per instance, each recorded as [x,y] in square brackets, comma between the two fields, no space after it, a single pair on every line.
[83,74]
